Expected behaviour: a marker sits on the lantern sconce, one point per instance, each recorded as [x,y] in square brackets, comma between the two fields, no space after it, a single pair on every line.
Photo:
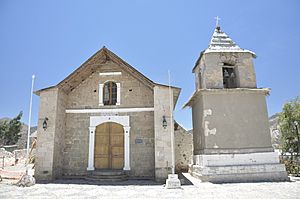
[164,122]
[45,125]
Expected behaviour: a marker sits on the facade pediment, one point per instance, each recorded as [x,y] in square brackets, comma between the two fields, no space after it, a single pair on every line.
[105,63]
[93,65]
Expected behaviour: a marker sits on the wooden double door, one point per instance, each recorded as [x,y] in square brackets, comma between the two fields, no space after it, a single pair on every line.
[109,146]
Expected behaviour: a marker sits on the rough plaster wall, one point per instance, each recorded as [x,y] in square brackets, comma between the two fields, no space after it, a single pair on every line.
[162,136]
[212,75]
[245,71]
[183,149]
[198,83]
[45,147]
[240,120]
[86,95]
[200,68]
[198,129]
[141,152]
[207,131]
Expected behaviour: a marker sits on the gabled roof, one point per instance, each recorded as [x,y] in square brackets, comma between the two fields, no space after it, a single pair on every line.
[221,42]
[93,63]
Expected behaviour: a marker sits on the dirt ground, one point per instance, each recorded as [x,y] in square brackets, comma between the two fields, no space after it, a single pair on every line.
[193,188]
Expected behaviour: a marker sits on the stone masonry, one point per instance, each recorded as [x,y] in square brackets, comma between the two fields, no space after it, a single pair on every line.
[163,153]
[63,148]
[183,148]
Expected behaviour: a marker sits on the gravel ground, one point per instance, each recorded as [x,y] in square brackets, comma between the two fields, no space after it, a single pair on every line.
[149,189]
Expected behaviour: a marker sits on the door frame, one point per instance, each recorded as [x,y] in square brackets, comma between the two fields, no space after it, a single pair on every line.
[97,120]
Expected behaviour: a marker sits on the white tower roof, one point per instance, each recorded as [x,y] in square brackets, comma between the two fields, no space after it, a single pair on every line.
[221,42]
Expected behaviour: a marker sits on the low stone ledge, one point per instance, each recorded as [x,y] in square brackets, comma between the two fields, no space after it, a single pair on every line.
[250,173]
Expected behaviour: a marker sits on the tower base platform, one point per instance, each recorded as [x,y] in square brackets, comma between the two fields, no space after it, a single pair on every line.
[230,168]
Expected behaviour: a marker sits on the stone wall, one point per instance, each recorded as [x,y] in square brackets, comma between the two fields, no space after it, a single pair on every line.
[183,148]
[133,92]
[163,157]
[236,168]
[141,144]
[63,148]
[59,142]
[45,145]
[211,69]
[76,139]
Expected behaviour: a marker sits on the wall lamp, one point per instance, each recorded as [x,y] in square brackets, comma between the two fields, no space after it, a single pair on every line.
[45,125]
[164,122]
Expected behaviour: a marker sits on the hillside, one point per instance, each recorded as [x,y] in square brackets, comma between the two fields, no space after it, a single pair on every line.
[274,130]
[23,139]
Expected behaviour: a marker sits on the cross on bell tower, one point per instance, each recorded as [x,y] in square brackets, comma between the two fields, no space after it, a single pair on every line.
[217,18]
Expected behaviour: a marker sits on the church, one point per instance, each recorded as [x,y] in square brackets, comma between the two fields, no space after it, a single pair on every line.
[105,118]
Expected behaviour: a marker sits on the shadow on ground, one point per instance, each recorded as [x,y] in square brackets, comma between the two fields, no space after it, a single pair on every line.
[184,180]
[102,183]
[82,181]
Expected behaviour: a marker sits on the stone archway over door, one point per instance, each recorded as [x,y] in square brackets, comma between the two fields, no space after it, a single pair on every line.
[109,146]
[98,120]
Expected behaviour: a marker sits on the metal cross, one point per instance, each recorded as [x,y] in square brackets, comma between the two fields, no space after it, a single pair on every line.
[217,20]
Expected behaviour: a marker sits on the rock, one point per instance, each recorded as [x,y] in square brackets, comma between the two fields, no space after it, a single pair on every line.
[6,154]
[26,181]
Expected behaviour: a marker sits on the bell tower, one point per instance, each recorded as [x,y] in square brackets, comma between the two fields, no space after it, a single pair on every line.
[232,141]
[224,65]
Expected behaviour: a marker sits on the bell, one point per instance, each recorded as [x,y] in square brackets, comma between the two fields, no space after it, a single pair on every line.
[226,74]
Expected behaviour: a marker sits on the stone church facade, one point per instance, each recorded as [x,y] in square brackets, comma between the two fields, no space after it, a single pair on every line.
[105,116]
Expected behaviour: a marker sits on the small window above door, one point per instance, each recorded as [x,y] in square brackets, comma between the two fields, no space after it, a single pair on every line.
[110,93]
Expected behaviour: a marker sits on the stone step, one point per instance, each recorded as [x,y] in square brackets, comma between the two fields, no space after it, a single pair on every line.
[105,179]
[107,172]
[107,175]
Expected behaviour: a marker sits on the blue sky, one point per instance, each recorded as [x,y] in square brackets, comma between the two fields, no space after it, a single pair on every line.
[52,38]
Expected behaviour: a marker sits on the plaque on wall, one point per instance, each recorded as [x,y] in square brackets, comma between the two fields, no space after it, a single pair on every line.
[138,141]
